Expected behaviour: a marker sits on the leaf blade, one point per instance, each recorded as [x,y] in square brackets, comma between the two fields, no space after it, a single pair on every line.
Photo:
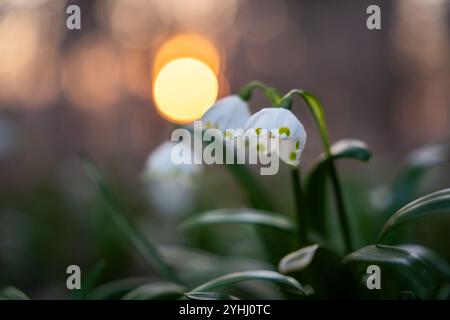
[264,275]
[240,216]
[418,266]
[209,296]
[155,291]
[11,293]
[431,204]
[143,246]
[316,181]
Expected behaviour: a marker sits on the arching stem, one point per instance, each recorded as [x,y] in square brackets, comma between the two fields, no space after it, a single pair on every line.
[271,94]
[319,116]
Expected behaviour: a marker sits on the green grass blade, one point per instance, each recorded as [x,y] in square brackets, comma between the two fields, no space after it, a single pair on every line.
[116,289]
[156,291]
[283,281]
[434,203]
[89,281]
[209,296]
[11,293]
[144,247]
[417,164]
[240,216]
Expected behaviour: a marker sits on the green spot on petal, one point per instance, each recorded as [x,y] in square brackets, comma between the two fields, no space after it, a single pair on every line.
[284,130]
[258,131]
[292,156]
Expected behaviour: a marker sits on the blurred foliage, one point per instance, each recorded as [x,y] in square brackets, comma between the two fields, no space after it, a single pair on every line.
[230,259]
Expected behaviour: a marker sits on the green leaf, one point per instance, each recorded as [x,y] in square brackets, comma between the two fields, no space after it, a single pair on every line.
[403,268]
[320,267]
[90,280]
[316,182]
[156,291]
[350,149]
[11,293]
[143,246]
[209,296]
[434,203]
[116,289]
[418,163]
[283,281]
[240,216]
[439,264]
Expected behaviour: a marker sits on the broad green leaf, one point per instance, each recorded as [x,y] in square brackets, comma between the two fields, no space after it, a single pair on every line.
[209,296]
[439,264]
[320,267]
[283,281]
[434,203]
[403,268]
[128,228]
[156,291]
[350,149]
[11,293]
[316,182]
[417,164]
[116,289]
[240,216]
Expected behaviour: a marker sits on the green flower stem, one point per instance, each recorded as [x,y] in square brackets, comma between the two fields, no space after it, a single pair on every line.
[319,116]
[271,94]
[301,217]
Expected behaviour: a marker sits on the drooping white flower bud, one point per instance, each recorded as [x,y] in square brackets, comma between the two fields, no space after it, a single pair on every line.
[227,113]
[281,126]
[171,187]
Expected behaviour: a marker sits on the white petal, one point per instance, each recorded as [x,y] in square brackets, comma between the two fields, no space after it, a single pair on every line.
[288,152]
[227,113]
[282,120]
[170,187]
[159,163]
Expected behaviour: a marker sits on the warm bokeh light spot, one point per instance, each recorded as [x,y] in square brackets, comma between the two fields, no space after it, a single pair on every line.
[184,89]
[187,45]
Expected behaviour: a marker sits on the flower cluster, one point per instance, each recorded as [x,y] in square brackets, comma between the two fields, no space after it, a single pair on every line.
[273,131]
[265,126]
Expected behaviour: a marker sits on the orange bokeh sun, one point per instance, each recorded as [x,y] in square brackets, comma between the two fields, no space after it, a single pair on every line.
[186,70]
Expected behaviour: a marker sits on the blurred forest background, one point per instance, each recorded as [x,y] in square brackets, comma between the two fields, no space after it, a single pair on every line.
[67,91]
